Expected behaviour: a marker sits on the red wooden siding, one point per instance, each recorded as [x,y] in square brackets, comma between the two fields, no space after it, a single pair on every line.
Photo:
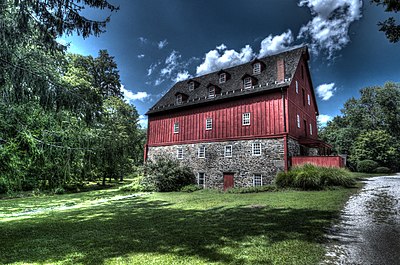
[295,104]
[323,161]
[266,119]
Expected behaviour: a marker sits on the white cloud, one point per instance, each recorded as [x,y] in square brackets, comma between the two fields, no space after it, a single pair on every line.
[140,56]
[162,43]
[323,119]
[221,47]
[143,40]
[158,81]
[218,59]
[152,67]
[130,96]
[182,76]
[325,91]
[276,44]
[171,63]
[143,121]
[328,30]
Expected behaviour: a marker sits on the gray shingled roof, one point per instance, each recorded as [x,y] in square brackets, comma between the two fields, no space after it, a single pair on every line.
[233,87]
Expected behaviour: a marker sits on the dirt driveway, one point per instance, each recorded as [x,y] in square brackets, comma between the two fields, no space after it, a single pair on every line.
[369,227]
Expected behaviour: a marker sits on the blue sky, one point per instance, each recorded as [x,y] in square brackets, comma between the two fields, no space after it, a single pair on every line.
[157,42]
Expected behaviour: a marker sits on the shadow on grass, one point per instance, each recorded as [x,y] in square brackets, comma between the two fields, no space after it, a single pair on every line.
[137,226]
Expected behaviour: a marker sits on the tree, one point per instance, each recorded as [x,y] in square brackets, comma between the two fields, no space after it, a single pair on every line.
[389,26]
[377,145]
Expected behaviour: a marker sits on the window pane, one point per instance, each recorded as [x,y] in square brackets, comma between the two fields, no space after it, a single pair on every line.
[246,118]
[257,180]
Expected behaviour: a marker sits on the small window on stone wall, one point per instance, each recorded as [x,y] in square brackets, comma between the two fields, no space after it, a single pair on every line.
[179,153]
[256,149]
[201,179]
[257,180]
[228,151]
[202,152]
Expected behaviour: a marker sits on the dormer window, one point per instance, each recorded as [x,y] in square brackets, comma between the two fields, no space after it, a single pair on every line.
[179,99]
[256,68]
[222,78]
[191,86]
[211,92]
[247,83]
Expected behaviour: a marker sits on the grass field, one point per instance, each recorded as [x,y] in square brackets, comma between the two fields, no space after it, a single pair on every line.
[204,227]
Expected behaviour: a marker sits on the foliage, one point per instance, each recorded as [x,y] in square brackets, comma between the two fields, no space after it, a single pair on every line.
[310,177]
[62,117]
[191,188]
[134,186]
[167,175]
[376,144]
[384,170]
[369,127]
[367,166]
[150,229]
[389,26]
[265,188]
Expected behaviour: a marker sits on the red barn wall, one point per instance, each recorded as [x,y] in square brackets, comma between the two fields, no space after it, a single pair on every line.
[295,104]
[323,161]
[266,120]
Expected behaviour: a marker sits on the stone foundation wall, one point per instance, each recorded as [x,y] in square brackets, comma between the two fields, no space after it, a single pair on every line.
[293,147]
[242,163]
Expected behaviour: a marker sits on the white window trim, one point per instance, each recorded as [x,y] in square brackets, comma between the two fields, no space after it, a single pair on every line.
[191,86]
[209,124]
[179,153]
[311,129]
[176,127]
[246,119]
[204,179]
[201,152]
[225,152]
[254,180]
[222,78]
[298,121]
[256,68]
[179,99]
[211,92]
[297,87]
[308,99]
[247,83]
[253,149]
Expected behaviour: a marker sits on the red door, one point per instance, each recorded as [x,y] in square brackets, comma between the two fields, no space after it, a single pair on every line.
[228,181]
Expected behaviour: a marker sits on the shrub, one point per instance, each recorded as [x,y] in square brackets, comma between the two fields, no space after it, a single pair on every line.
[3,186]
[384,170]
[252,189]
[135,185]
[191,188]
[166,175]
[59,190]
[310,177]
[367,166]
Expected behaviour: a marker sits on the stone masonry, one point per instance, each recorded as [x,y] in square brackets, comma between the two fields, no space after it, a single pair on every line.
[243,164]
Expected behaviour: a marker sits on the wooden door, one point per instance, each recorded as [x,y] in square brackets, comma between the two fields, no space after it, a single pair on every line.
[228,181]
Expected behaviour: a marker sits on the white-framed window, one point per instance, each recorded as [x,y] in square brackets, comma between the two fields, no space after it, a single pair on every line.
[298,120]
[256,149]
[179,153]
[297,87]
[201,179]
[211,92]
[228,151]
[247,83]
[311,129]
[256,68]
[246,118]
[176,127]
[179,99]
[191,86]
[201,152]
[257,180]
[222,78]
[209,124]
[308,99]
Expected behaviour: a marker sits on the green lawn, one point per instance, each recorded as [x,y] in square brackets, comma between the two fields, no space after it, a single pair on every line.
[205,227]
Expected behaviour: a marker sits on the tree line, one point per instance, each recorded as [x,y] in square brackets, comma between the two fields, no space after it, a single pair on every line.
[369,127]
[63,120]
